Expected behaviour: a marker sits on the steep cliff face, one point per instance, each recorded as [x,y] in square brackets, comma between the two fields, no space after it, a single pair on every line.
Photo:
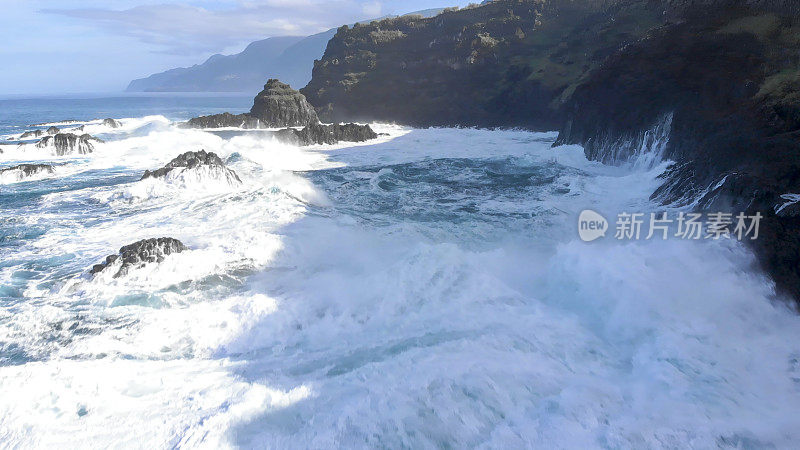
[711,84]
[729,79]
[506,63]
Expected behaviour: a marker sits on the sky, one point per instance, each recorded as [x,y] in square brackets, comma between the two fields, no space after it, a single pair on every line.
[92,46]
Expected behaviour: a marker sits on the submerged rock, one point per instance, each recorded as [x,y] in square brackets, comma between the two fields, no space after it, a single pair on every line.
[138,254]
[32,134]
[326,134]
[69,143]
[111,123]
[278,105]
[63,122]
[39,133]
[225,120]
[192,160]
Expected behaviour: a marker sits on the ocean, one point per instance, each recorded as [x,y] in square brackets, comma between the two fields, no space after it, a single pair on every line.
[427,289]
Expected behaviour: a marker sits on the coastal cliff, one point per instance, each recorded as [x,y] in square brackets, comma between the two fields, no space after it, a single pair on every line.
[506,63]
[729,81]
[713,85]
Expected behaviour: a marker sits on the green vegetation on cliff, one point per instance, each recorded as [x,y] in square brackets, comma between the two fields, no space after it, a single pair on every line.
[506,63]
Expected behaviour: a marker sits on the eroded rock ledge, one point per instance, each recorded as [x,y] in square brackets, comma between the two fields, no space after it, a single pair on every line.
[225,120]
[326,134]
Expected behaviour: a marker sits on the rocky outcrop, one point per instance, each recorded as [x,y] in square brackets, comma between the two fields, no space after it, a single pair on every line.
[32,134]
[39,133]
[194,160]
[111,123]
[68,143]
[278,105]
[23,171]
[136,255]
[225,120]
[326,134]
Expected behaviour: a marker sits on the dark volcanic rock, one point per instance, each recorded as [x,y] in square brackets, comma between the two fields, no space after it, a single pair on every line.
[68,143]
[27,170]
[508,63]
[278,105]
[136,255]
[191,160]
[326,134]
[39,133]
[32,134]
[111,123]
[711,84]
[225,120]
[727,77]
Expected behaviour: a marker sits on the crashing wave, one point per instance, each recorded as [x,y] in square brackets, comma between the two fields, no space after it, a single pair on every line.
[791,206]
[111,123]
[23,172]
[643,149]
[69,143]
[192,167]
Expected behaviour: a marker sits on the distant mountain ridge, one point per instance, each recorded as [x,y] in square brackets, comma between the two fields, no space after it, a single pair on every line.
[288,58]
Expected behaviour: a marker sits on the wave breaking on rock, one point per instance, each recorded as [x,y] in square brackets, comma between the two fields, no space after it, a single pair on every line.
[138,254]
[69,144]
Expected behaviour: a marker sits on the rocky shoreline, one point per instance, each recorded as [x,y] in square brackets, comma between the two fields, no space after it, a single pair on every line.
[280,106]
[717,81]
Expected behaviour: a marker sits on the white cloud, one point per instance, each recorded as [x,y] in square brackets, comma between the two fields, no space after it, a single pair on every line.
[372,9]
[201,26]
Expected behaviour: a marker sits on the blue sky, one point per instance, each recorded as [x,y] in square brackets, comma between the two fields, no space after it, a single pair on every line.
[75,46]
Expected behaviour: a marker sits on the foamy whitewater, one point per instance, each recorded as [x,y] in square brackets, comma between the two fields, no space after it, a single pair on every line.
[424,290]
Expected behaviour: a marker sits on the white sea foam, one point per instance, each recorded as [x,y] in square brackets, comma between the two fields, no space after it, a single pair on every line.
[425,290]
[791,199]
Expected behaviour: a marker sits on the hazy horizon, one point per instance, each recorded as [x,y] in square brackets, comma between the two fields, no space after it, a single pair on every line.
[76,46]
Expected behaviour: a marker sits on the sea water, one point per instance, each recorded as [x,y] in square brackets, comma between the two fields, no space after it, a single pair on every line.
[424,290]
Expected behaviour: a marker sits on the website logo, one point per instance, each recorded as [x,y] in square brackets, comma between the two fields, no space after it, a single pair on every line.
[591,225]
